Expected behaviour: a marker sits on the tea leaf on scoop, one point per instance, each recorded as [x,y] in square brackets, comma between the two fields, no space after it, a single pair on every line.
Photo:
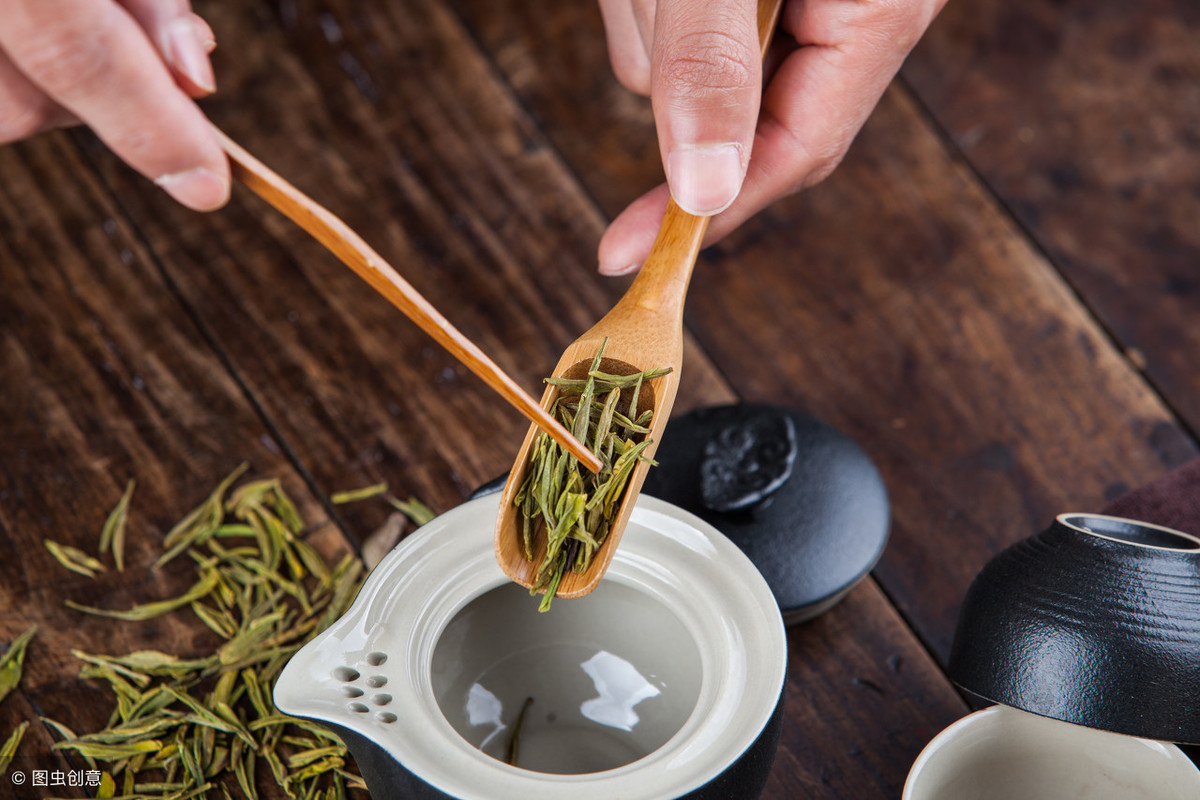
[12,662]
[573,509]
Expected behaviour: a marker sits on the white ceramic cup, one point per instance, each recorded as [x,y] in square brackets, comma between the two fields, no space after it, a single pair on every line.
[1001,753]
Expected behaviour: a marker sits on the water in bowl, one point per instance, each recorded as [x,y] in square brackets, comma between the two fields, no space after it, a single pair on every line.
[612,675]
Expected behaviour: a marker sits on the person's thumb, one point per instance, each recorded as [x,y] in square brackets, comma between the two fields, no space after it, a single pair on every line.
[706,86]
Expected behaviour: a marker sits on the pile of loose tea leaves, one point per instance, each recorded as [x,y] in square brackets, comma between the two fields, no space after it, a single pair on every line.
[572,506]
[191,727]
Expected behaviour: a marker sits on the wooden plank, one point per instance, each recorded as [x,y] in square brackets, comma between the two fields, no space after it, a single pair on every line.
[387,113]
[556,61]
[448,182]
[1084,118]
[1001,402]
[900,304]
[862,701]
[103,378]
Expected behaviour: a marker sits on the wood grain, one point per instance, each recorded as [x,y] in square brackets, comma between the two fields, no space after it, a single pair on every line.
[480,147]
[350,248]
[1084,118]
[103,378]
[901,305]
[475,217]
[1001,403]
[454,183]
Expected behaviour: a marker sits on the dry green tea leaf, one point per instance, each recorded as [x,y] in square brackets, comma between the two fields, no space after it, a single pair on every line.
[201,523]
[144,663]
[354,495]
[306,757]
[414,509]
[514,750]
[109,751]
[9,749]
[12,662]
[73,558]
[112,535]
[150,610]
[186,727]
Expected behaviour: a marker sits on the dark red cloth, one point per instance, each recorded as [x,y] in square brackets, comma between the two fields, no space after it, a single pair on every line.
[1173,500]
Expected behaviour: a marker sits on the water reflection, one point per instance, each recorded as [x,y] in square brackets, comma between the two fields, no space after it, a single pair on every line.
[620,687]
[484,708]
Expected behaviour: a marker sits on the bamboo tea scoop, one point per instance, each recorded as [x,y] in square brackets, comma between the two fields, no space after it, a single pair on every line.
[355,253]
[644,330]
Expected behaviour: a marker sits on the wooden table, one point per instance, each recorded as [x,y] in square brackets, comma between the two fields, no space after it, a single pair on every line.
[995,295]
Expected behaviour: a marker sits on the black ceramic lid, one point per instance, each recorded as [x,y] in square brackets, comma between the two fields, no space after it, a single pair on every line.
[1094,621]
[801,499]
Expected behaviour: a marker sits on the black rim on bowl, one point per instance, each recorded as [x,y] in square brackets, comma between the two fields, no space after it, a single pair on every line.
[1133,532]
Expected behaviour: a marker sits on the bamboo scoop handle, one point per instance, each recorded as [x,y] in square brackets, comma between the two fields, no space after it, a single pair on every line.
[355,253]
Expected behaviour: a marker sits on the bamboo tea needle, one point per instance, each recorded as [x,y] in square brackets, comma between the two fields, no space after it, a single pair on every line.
[355,253]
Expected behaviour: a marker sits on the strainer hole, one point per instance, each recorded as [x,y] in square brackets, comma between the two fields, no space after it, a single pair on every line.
[386,716]
[376,658]
[358,708]
[352,691]
[381,699]
[375,681]
[346,674]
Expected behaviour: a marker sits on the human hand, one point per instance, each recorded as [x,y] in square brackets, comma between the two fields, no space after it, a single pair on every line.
[128,69]
[724,155]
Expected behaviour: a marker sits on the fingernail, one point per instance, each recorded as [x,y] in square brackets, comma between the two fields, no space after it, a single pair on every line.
[614,272]
[186,53]
[705,180]
[199,188]
[204,32]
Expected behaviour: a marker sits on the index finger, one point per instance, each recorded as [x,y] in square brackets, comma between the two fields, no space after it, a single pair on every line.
[93,59]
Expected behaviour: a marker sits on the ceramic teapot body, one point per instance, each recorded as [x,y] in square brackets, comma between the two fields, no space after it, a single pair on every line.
[666,682]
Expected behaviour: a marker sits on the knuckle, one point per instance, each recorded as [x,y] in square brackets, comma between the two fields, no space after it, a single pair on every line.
[899,24]
[823,168]
[714,61]
[66,60]
[825,159]
[810,163]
